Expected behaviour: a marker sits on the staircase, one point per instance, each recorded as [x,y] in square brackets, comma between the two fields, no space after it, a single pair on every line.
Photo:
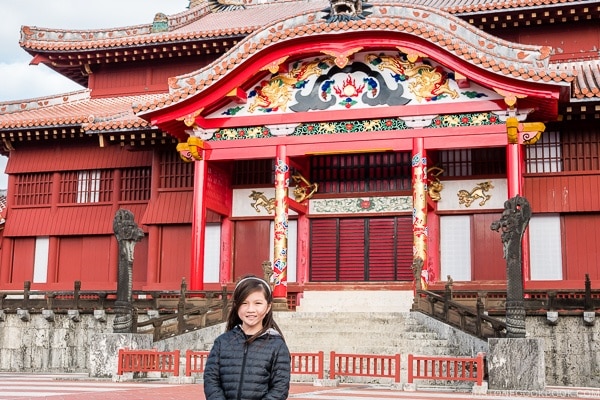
[359,333]
[362,333]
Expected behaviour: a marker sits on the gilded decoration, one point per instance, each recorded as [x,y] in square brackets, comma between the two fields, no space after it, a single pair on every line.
[429,82]
[304,189]
[352,79]
[435,186]
[353,126]
[260,200]
[479,192]
[361,205]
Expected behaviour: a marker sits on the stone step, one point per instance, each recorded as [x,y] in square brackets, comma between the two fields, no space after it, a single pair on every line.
[360,333]
[345,316]
[373,337]
[312,328]
[372,348]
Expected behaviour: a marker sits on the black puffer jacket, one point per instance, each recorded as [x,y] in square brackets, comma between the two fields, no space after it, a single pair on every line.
[239,371]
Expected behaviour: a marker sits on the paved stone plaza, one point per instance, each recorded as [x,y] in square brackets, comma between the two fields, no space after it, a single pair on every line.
[15,386]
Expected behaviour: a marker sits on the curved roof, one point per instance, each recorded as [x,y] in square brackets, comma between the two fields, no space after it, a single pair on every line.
[444,31]
[264,23]
[422,30]
[201,22]
[75,108]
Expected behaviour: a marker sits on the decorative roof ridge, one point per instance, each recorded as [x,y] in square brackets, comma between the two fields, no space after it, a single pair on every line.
[79,110]
[449,32]
[42,102]
[41,34]
[506,6]
[176,21]
[571,63]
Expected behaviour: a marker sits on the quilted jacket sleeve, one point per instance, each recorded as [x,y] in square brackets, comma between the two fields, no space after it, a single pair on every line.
[213,389]
[280,374]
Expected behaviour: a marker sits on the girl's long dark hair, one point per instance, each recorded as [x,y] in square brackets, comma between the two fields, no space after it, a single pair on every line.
[246,286]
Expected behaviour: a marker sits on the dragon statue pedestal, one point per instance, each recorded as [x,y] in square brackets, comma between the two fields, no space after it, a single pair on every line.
[104,348]
[515,362]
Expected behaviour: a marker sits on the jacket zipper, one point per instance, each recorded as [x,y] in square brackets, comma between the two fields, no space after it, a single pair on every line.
[239,394]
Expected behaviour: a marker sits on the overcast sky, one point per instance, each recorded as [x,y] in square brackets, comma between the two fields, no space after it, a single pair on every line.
[19,80]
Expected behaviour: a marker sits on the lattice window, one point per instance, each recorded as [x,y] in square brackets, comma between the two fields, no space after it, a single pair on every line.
[580,150]
[92,186]
[254,172]
[33,189]
[174,172]
[472,162]
[135,184]
[351,173]
[545,155]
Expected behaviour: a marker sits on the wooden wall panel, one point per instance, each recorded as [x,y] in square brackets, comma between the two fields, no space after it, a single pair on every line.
[581,246]
[169,208]
[323,250]
[140,264]
[352,249]
[251,247]
[87,259]
[22,261]
[74,158]
[96,259]
[69,259]
[488,261]
[151,78]
[563,193]
[175,254]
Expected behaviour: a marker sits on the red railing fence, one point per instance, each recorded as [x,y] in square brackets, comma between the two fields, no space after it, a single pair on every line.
[368,365]
[308,364]
[365,365]
[302,363]
[148,361]
[446,368]
[195,361]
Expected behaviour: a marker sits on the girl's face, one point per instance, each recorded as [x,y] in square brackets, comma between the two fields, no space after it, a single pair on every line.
[252,311]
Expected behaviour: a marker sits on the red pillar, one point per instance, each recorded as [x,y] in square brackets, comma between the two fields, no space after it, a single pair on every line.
[302,256]
[419,179]
[282,178]
[226,250]
[198,225]
[514,169]
[515,165]
[433,247]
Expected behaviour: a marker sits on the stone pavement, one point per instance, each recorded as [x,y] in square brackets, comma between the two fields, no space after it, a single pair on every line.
[78,386]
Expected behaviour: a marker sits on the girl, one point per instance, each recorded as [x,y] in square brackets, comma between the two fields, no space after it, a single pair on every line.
[250,361]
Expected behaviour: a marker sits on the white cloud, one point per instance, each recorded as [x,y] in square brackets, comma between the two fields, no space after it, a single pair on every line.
[21,81]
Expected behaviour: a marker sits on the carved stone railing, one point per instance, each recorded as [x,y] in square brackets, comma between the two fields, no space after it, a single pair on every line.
[483,309]
[160,313]
[195,310]
[470,320]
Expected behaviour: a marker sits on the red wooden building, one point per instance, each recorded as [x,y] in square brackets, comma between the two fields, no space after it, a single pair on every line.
[399,129]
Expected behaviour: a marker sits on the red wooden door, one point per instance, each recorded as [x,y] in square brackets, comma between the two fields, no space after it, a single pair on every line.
[487,260]
[361,249]
[251,247]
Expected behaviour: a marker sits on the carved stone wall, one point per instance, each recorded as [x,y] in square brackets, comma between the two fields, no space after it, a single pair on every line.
[572,349]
